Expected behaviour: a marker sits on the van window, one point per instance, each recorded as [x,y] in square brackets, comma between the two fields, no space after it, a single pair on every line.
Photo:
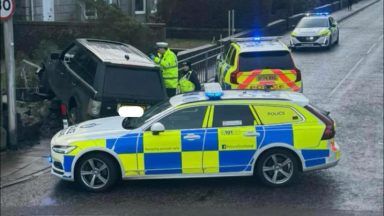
[266,60]
[82,63]
[277,114]
[232,115]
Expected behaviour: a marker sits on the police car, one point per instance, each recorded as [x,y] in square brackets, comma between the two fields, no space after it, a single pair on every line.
[258,63]
[315,30]
[273,135]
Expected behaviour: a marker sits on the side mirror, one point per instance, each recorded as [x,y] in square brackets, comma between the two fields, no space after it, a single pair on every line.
[157,128]
[131,111]
[55,56]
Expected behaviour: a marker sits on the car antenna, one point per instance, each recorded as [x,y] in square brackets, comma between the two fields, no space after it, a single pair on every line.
[126,56]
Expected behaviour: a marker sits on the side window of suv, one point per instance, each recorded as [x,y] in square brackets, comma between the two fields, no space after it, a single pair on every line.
[228,54]
[81,63]
[232,115]
[277,114]
[188,118]
[232,57]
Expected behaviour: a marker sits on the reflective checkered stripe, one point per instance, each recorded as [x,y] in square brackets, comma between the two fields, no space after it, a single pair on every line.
[276,78]
[212,150]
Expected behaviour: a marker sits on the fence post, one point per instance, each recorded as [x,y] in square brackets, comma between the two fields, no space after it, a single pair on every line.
[206,67]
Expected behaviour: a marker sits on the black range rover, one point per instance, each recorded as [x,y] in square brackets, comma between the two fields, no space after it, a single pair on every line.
[93,77]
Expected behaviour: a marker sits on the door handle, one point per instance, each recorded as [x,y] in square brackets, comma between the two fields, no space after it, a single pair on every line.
[251,133]
[191,137]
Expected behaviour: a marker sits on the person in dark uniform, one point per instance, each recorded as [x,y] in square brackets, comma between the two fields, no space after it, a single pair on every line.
[188,79]
[350,2]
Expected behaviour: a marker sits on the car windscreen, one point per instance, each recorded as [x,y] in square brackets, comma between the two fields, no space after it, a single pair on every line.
[265,60]
[313,23]
[133,84]
[149,113]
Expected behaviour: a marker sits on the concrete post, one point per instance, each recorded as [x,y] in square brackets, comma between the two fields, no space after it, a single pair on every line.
[10,69]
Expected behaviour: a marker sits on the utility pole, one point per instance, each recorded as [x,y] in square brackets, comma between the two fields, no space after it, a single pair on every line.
[7,8]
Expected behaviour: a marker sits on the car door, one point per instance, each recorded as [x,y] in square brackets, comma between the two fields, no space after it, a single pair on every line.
[224,64]
[231,139]
[178,149]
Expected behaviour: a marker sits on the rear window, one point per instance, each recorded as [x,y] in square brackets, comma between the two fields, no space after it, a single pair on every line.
[313,23]
[265,60]
[133,83]
[277,114]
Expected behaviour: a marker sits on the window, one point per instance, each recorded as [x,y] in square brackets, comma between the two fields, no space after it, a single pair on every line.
[263,60]
[81,63]
[189,118]
[228,53]
[232,115]
[313,23]
[140,6]
[277,114]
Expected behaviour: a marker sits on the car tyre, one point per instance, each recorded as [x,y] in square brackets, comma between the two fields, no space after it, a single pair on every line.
[96,172]
[337,41]
[277,168]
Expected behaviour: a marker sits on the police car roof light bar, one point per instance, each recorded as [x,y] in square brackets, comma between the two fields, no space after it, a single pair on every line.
[213,91]
[272,38]
[317,14]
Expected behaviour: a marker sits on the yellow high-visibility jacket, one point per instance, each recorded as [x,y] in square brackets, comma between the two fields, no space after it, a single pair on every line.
[169,68]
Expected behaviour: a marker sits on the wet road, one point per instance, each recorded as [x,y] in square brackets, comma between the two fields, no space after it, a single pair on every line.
[346,80]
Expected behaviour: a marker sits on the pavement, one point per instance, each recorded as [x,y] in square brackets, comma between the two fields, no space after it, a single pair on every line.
[21,165]
[346,80]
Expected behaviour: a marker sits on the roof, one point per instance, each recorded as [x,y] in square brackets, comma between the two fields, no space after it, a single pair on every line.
[116,52]
[261,46]
[294,97]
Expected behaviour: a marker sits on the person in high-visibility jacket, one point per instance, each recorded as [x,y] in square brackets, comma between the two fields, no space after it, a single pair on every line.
[167,60]
[189,81]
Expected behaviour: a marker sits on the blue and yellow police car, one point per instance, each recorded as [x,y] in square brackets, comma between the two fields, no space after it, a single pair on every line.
[213,133]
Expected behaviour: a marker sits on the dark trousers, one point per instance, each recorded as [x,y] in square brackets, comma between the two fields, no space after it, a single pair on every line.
[171,92]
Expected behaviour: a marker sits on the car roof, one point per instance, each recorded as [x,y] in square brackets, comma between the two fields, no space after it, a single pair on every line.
[116,52]
[261,46]
[251,95]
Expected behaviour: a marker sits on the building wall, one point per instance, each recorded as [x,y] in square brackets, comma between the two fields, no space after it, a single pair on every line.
[70,10]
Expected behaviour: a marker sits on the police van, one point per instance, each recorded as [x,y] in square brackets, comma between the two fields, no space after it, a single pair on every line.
[213,133]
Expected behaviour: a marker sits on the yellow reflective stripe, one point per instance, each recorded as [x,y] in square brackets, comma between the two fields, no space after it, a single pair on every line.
[191,162]
[206,117]
[84,144]
[256,118]
[210,120]
[167,141]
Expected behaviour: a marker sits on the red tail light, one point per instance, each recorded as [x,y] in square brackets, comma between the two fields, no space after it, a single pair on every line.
[233,78]
[63,109]
[329,131]
[298,75]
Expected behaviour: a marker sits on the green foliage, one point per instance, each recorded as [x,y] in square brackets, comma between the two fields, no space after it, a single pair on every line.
[114,24]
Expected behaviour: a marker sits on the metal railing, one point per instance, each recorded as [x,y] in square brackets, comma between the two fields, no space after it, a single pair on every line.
[204,63]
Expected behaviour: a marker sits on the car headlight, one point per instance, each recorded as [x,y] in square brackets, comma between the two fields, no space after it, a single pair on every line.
[324,33]
[63,149]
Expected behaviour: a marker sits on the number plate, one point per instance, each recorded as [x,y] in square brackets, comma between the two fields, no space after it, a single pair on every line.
[266,77]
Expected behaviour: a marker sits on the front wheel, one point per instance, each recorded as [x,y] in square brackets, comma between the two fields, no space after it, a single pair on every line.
[277,167]
[96,172]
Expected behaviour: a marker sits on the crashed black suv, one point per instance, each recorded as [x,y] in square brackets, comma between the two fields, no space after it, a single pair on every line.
[92,78]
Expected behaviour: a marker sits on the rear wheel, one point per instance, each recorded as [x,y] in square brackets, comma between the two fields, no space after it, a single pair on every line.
[96,172]
[277,167]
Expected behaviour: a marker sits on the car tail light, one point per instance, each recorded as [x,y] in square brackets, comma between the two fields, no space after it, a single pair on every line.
[63,109]
[334,148]
[233,78]
[298,75]
[329,131]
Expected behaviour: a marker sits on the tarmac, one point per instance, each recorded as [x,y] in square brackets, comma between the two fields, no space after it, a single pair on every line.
[25,164]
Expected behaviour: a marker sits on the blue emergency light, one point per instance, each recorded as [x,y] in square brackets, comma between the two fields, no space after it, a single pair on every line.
[213,91]
[317,14]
